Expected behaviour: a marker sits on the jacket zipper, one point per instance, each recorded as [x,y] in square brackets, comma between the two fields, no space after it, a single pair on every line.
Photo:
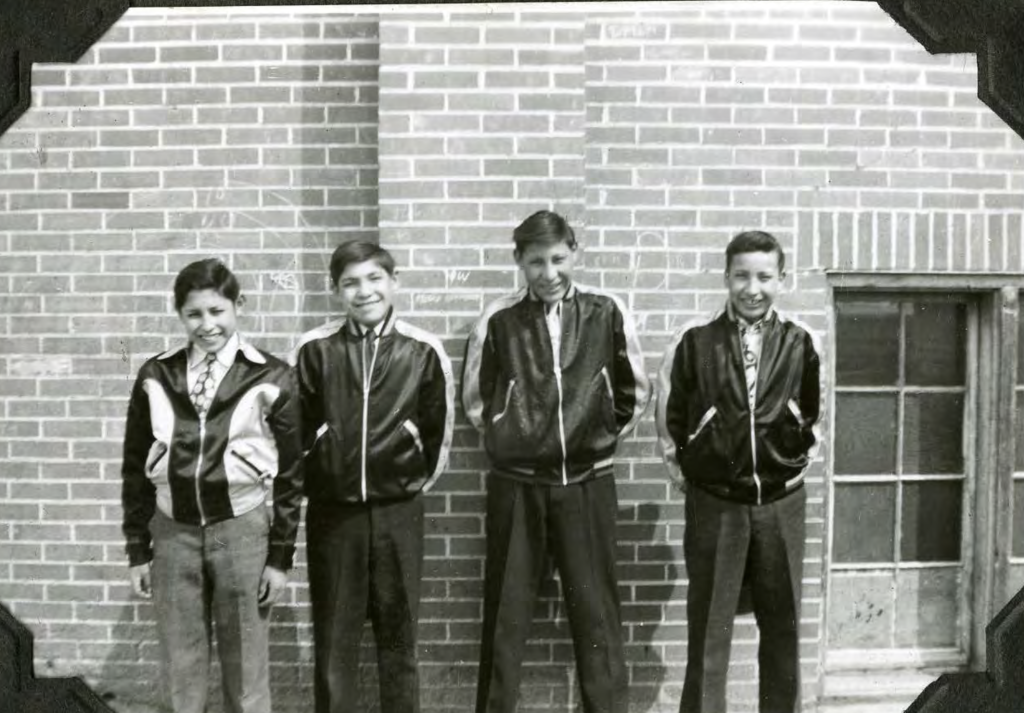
[367,378]
[199,468]
[558,383]
[751,401]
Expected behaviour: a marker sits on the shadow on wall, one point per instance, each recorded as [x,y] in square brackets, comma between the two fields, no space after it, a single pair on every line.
[648,598]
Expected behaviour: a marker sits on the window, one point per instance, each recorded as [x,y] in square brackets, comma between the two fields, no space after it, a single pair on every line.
[900,472]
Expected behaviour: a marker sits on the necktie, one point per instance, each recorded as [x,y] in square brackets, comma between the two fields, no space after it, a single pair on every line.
[202,392]
[750,337]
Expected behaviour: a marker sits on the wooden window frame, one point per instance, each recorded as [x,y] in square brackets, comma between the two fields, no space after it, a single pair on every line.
[998,298]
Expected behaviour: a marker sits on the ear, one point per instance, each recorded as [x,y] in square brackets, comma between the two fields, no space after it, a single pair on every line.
[394,277]
[240,303]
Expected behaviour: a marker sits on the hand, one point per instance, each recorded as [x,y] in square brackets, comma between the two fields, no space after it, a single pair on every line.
[142,583]
[272,583]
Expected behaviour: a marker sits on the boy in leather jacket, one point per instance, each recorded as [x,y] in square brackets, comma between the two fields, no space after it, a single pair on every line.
[738,397]
[378,402]
[553,379]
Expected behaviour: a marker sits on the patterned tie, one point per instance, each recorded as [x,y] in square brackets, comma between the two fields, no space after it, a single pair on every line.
[750,337]
[202,392]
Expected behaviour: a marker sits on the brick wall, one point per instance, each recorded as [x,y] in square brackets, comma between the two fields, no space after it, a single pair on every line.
[254,135]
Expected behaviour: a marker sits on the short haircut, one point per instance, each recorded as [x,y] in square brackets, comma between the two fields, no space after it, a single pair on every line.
[543,227]
[208,274]
[356,251]
[754,241]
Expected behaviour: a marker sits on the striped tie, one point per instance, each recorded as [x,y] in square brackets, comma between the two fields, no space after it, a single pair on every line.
[202,392]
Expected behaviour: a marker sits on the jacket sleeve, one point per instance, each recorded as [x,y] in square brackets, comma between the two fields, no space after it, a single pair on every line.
[138,495]
[479,372]
[284,421]
[632,388]
[307,382]
[671,407]
[436,411]
[811,390]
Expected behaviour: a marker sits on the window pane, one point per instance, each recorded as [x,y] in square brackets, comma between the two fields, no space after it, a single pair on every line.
[1018,518]
[867,343]
[861,610]
[926,607]
[931,522]
[865,522]
[936,344]
[933,433]
[865,438]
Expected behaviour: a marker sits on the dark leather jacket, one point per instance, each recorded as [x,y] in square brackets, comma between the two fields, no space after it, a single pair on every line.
[377,413]
[707,431]
[554,417]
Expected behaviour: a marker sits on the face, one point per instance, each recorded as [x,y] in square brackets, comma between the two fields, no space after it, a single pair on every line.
[209,318]
[753,280]
[365,290]
[547,269]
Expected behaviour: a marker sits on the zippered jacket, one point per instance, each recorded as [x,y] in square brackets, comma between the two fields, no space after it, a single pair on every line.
[377,413]
[709,435]
[554,417]
[201,471]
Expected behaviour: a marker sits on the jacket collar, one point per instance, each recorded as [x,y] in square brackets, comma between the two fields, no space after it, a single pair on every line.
[225,356]
[737,320]
[569,294]
[384,327]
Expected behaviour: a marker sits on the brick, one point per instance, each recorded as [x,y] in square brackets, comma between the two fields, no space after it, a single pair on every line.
[856,137]
[718,52]
[449,35]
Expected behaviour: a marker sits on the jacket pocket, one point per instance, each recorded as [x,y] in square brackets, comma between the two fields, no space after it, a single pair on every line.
[788,440]
[413,431]
[701,454]
[508,400]
[702,424]
[156,460]
[260,476]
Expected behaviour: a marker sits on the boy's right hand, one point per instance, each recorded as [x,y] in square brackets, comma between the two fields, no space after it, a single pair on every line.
[141,582]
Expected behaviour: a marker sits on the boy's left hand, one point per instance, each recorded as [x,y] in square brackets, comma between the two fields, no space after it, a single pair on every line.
[272,583]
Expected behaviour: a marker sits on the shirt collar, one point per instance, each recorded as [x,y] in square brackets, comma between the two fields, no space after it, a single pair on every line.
[740,322]
[225,357]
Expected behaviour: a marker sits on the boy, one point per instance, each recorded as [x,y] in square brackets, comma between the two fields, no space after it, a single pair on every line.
[212,424]
[553,378]
[377,399]
[738,398]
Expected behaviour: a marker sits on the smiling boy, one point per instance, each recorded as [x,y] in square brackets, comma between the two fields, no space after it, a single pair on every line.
[212,427]
[553,379]
[377,399]
[738,397]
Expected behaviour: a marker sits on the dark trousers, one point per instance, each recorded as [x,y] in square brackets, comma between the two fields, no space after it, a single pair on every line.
[722,542]
[365,560]
[575,525]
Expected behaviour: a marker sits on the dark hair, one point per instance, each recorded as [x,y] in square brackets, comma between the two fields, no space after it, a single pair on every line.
[754,241]
[355,251]
[208,274]
[543,227]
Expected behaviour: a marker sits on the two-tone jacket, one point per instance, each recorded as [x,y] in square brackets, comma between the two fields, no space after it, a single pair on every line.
[709,434]
[378,410]
[204,470]
[553,405]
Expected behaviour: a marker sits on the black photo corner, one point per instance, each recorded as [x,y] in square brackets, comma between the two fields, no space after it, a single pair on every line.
[58,31]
